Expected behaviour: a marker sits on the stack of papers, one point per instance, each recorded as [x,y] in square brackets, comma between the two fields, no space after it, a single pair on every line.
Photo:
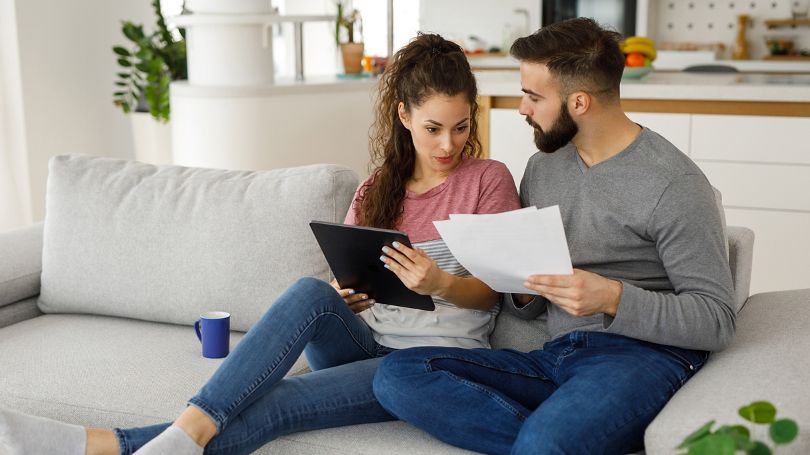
[503,249]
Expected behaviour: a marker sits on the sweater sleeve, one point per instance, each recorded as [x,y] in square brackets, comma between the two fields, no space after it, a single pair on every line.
[698,314]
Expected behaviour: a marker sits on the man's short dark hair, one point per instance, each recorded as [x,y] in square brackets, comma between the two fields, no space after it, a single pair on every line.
[579,54]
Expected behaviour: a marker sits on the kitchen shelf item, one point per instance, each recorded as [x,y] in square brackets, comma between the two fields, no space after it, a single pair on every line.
[778,23]
[785,58]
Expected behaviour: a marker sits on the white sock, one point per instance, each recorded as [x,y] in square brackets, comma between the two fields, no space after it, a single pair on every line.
[173,440]
[23,434]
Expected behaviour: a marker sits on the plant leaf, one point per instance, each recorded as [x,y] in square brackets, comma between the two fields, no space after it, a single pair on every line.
[713,444]
[122,51]
[697,434]
[758,412]
[123,75]
[740,434]
[124,62]
[760,449]
[783,431]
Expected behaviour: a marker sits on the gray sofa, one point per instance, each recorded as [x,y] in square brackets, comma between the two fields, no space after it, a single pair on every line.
[96,303]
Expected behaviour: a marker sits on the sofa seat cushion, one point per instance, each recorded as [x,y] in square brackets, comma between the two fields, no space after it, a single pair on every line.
[112,372]
[102,371]
[166,243]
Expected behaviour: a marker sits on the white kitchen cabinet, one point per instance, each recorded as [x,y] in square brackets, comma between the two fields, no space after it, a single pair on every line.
[760,186]
[511,140]
[673,127]
[753,138]
[781,247]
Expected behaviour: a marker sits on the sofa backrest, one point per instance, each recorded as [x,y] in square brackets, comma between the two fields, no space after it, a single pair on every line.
[128,239]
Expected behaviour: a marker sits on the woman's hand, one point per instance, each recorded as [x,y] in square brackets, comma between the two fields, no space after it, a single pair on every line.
[356,302]
[416,269]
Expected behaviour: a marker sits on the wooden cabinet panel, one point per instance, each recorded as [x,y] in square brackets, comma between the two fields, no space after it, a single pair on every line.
[674,127]
[765,186]
[781,248]
[751,138]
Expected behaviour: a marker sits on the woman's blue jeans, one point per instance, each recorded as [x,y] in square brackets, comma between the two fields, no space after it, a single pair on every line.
[583,393]
[252,403]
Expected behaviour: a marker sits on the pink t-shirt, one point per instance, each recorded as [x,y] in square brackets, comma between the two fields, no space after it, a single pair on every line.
[475,186]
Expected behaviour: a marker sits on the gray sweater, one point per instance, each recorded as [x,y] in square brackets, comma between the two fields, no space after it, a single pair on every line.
[647,217]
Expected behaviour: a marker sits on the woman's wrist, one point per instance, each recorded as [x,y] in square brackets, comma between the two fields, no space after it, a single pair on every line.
[445,285]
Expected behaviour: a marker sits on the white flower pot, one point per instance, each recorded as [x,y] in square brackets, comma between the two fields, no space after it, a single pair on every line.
[152,139]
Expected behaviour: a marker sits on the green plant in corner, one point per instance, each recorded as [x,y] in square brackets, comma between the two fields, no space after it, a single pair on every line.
[728,439]
[150,63]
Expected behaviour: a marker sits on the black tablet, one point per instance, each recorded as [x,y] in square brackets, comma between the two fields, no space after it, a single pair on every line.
[353,254]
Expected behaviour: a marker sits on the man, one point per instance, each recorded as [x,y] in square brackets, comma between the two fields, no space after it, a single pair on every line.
[651,291]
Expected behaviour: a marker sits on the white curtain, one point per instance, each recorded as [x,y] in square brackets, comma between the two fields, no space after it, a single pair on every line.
[11,204]
[15,207]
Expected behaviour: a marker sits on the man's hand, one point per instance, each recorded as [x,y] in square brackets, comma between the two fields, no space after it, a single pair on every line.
[581,294]
[416,269]
[356,302]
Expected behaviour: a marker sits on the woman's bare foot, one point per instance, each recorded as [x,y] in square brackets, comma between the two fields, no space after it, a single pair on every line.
[197,424]
[101,442]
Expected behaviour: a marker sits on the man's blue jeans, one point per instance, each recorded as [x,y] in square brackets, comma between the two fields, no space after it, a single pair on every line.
[583,393]
[250,400]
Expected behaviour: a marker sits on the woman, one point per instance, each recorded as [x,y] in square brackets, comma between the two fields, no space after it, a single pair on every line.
[424,143]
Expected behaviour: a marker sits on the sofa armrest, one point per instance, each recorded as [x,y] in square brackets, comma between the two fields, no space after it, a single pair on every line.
[766,361]
[740,257]
[20,263]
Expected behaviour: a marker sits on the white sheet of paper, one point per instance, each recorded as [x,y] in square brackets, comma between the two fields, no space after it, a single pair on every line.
[503,249]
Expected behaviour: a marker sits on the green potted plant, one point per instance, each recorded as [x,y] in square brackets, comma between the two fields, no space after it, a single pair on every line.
[732,439]
[148,65]
[351,51]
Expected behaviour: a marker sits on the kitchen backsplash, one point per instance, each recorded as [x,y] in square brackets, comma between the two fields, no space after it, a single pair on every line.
[708,21]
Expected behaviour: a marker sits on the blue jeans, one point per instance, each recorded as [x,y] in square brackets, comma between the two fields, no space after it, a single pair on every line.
[583,393]
[252,403]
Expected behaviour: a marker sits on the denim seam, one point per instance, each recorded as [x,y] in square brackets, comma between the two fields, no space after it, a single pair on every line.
[123,443]
[285,353]
[491,367]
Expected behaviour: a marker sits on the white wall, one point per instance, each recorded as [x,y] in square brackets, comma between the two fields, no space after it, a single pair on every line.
[67,69]
[458,19]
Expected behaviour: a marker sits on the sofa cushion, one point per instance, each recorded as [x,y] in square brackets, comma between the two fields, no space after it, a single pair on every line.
[103,371]
[113,372]
[123,238]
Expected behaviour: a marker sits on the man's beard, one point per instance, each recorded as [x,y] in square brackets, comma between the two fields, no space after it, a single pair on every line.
[561,132]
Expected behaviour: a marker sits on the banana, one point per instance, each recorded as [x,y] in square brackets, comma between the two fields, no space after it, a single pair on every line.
[644,49]
[639,40]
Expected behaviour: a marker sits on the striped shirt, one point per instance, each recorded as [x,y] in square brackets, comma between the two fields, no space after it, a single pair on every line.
[475,186]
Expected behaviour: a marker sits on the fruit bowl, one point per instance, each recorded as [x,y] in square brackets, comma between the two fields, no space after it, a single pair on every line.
[636,72]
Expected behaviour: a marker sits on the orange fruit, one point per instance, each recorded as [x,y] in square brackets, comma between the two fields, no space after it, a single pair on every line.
[634,59]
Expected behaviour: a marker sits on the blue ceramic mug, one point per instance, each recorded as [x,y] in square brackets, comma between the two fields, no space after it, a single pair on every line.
[214,331]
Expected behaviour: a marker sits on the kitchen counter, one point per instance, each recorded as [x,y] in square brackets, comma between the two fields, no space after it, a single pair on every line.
[680,86]
[282,86]
[670,61]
